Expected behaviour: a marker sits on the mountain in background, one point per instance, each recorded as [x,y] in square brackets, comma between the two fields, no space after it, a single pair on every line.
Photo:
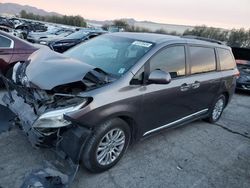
[12,9]
[153,26]
[15,9]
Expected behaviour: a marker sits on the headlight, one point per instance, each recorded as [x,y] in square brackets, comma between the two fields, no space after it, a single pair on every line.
[55,119]
[43,42]
[21,77]
[58,44]
[14,71]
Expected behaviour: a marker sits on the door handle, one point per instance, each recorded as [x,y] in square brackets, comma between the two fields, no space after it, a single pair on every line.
[185,87]
[196,85]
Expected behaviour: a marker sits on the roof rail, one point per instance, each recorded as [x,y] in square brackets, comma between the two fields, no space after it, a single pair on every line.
[202,38]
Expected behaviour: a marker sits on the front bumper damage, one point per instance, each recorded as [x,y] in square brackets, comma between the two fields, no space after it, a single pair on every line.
[27,117]
[67,142]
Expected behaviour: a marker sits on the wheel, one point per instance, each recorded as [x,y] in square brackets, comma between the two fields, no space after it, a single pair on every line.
[9,73]
[217,109]
[106,146]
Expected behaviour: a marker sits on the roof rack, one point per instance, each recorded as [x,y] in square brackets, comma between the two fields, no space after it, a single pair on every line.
[202,38]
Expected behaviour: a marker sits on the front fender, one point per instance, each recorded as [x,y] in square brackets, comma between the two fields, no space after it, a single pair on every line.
[91,118]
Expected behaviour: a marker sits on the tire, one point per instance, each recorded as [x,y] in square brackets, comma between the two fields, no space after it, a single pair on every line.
[94,160]
[1,84]
[9,73]
[217,109]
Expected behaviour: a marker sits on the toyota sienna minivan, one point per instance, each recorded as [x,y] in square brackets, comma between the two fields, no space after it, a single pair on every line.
[96,99]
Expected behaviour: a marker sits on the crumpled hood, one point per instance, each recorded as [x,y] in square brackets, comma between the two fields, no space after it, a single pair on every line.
[48,69]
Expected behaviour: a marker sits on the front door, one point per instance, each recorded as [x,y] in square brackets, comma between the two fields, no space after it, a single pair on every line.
[164,104]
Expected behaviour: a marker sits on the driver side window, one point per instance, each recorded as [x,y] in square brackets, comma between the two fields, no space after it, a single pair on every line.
[171,59]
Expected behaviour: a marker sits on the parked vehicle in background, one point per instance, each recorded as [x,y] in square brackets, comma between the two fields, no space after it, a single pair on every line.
[58,36]
[113,29]
[242,56]
[6,29]
[63,44]
[22,30]
[6,22]
[12,50]
[19,27]
[35,37]
[104,94]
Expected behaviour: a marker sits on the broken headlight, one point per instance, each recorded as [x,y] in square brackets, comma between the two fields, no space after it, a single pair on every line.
[55,118]
[18,74]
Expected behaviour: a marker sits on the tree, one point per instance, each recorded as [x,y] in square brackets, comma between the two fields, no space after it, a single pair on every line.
[67,20]
[234,37]
[121,24]
[208,32]
[23,14]
[239,38]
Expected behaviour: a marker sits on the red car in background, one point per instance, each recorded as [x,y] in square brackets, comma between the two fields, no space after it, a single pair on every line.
[13,50]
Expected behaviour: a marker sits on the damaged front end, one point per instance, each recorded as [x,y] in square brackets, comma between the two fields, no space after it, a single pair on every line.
[44,90]
[42,121]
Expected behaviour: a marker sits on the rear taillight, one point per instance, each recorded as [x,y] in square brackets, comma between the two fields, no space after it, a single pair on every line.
[237,74]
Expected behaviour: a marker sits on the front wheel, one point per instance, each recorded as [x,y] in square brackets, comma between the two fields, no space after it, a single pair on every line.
[106,146]
[217,109]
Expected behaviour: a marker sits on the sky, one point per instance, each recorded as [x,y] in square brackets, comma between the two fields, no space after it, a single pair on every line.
[217,13]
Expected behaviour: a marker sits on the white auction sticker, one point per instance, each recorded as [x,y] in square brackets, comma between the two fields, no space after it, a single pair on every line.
[143,44]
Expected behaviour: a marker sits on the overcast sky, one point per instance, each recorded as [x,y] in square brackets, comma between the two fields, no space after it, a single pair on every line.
[217,13]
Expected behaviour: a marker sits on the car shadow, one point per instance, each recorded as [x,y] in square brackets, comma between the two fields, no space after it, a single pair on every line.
[242,92]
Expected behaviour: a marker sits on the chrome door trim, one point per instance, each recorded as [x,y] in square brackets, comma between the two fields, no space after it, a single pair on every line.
[175,122]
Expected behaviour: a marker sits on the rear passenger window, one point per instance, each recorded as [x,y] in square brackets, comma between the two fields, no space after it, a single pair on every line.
[202,60]
[226,60]
[4,42]
[171,59]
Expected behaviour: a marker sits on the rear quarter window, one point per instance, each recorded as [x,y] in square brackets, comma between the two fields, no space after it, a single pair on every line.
[202,59]
[4,42]
[227,61]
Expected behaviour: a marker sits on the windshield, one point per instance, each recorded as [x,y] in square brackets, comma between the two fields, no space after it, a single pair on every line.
[114,55]
[77,35]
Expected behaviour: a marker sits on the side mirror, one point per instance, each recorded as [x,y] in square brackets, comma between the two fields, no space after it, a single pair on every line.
[159,77]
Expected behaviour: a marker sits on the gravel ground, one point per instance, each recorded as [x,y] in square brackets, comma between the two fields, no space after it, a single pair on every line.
[196,155]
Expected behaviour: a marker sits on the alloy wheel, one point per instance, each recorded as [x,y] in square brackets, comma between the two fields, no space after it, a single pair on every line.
[218,108]
[110,146]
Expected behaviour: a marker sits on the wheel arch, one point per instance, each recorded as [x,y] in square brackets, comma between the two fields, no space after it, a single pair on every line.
[132,126]
[226,94]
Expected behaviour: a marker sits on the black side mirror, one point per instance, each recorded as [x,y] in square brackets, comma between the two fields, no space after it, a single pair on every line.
[159,77]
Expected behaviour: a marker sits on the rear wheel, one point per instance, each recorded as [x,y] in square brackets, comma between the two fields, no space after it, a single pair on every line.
[106,146]
[217,109]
